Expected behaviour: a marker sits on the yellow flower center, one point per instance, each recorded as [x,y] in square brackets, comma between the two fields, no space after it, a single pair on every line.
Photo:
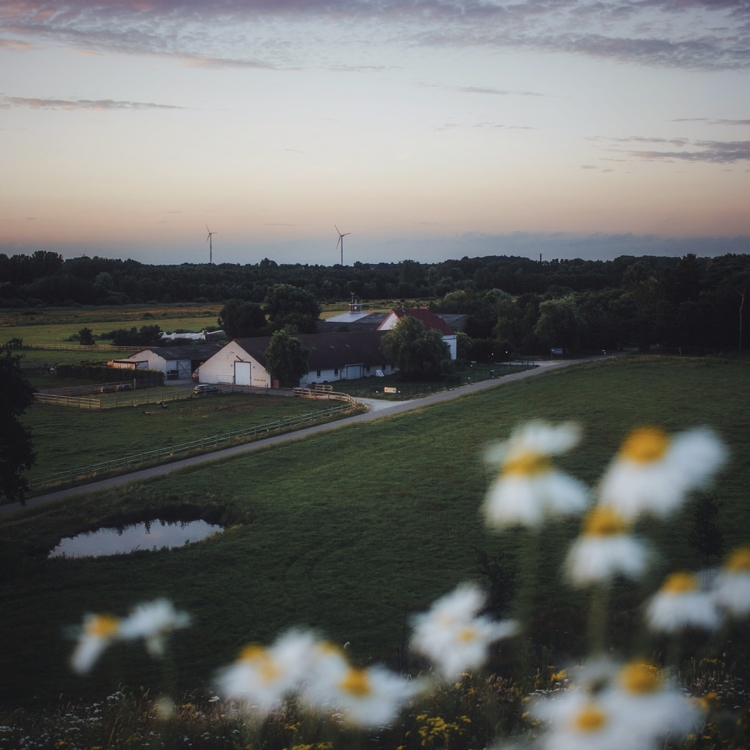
[739,561]
[680,583]
[527,463]
[591,719]
[645,445]
[267,668]
[355,682]
[603,521]
[467,634]
[102,626]
[640,677]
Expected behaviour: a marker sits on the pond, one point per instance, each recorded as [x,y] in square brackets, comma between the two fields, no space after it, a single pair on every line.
[150,535]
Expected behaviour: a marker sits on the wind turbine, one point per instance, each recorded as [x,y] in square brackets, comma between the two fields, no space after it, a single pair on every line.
[341,242]
[210,241]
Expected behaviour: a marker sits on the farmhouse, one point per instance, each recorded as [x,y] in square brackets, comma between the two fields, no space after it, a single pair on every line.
[175,362]
[333,357]
[430,320]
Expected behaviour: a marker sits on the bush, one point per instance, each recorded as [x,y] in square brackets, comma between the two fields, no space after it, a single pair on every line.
[146,336]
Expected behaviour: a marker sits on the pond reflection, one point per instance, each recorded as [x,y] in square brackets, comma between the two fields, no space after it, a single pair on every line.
[151,535]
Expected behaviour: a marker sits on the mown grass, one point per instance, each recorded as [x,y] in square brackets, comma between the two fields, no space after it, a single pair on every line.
[352,531]
[66,437]
[52,325]
[55,326]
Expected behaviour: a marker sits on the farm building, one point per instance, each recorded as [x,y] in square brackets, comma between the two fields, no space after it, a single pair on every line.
[333,357]
[430,320]
[176,362]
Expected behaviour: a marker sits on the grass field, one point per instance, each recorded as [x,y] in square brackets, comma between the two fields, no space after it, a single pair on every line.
[53,324]
[45,326]
[66,437]
[352,531]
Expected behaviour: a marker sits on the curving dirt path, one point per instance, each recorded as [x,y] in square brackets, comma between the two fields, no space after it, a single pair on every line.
[378,410]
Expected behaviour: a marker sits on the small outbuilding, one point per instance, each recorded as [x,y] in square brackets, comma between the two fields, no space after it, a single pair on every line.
[176,362]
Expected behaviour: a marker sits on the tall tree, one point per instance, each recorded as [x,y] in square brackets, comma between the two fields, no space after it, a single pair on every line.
[240,319]
[414,349]
[16,452]
[286,359]
[289,305]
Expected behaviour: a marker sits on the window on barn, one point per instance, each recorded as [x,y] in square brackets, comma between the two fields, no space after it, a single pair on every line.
[336,371]
[318,374]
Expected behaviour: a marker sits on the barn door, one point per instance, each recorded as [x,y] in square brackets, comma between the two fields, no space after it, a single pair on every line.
[242,373]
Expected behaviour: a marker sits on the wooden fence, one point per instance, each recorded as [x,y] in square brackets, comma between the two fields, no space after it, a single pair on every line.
[182,450]
[324,393]
[116,400]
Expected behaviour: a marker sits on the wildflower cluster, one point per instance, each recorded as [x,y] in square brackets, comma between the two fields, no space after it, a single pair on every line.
[631,705]
[151,622]
[622,705]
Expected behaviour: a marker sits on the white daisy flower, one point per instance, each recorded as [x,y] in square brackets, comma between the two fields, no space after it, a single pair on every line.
[680,603]
[152,621]
[588,725]
[97,633]
[262,677]
[586,680]
[454,636]
[529,488]
[366,697]
[605,550]
[732,586]
[653,473]
[653,709]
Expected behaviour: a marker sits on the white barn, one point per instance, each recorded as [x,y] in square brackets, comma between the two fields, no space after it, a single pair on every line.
[333,357]
[176,362]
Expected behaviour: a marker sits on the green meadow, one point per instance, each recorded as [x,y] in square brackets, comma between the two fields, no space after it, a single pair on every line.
[353,531]
[48,326]
[66,437]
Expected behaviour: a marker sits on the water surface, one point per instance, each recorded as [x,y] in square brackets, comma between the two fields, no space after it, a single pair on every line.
[152,535]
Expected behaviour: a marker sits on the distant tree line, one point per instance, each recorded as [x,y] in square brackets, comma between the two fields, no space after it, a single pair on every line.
[690,304]
[514,304]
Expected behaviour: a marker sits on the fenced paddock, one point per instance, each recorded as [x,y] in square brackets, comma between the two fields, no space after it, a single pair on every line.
[182,450]
[115,399]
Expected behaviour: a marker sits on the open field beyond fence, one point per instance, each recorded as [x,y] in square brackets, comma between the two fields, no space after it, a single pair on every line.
[67,438]
[192,447]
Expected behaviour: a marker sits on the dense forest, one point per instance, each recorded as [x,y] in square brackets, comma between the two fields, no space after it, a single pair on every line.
[514,304]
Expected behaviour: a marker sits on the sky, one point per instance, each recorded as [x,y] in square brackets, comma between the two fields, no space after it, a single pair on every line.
[423,129]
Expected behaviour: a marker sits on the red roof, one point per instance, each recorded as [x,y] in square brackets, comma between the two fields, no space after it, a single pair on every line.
[429,319]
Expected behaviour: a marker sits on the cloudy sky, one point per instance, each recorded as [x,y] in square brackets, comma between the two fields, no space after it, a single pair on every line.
[428,129]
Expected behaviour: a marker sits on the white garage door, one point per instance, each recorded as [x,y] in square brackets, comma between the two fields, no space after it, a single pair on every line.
[242,373]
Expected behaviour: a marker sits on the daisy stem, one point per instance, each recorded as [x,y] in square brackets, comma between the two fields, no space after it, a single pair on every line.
[528,575]
[598,618]
[523,606]
[674,652]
